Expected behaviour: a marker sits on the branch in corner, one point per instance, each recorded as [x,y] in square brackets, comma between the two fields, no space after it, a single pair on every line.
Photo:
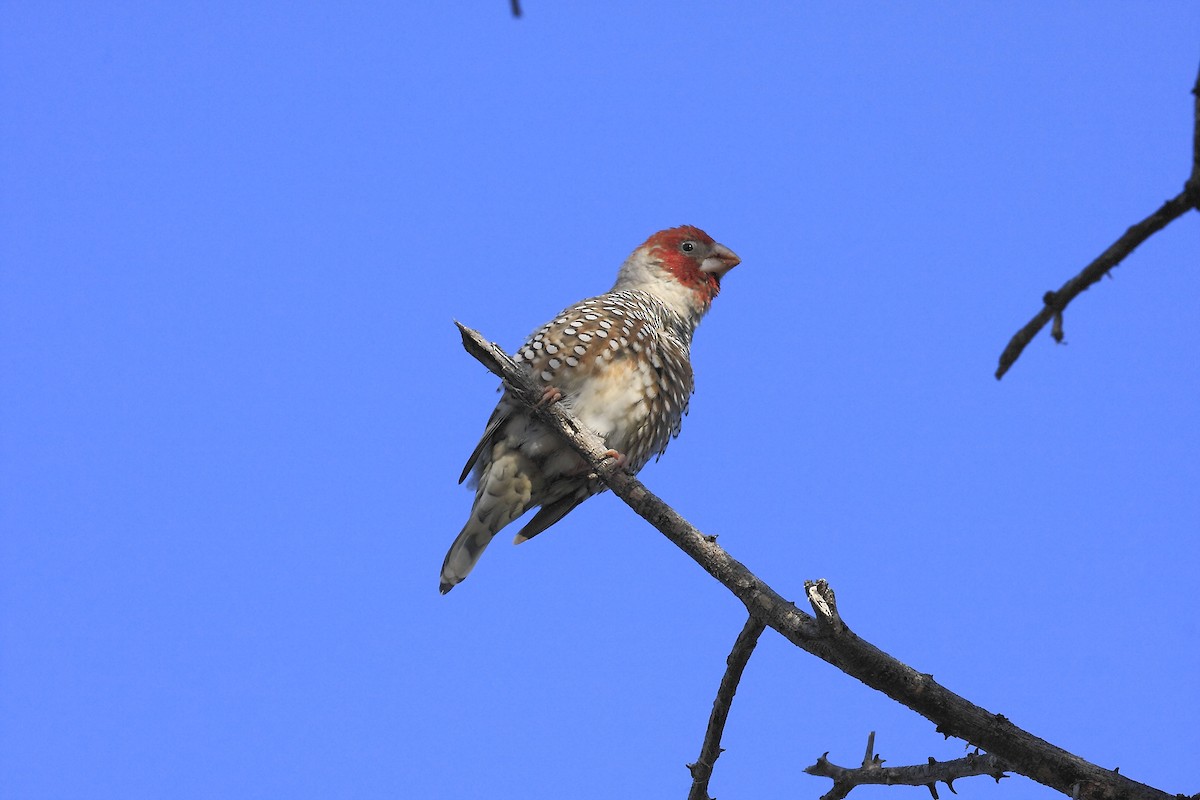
[1054,303]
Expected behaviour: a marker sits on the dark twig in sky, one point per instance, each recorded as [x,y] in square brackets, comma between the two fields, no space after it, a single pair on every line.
[1056,302]
[516,8]
[743,646]
[838,645]
[928,775]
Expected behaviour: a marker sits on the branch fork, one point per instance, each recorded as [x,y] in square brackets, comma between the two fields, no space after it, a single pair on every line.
[825,635]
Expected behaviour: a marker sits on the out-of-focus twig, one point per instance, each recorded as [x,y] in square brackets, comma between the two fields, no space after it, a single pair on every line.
[1053,303]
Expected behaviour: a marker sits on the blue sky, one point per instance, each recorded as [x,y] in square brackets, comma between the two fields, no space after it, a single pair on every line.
[235,406]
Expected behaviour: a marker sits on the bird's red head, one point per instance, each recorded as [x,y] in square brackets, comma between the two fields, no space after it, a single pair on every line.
[693,258]
[682,267]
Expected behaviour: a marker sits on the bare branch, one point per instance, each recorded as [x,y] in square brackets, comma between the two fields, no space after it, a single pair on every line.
[1193,184]
[928,775]
[743,646]
[516,8]
[954,715]
[1055,302]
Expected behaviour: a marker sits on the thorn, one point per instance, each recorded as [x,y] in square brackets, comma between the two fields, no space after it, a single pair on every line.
[950,786]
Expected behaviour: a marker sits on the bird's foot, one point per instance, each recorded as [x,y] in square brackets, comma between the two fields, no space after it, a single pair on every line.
[619,457]
[549,395]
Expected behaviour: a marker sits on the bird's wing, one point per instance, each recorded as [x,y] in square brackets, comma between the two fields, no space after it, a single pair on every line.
[498,418]
[550,514]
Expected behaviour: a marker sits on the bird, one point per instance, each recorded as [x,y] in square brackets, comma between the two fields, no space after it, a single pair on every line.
[621,363]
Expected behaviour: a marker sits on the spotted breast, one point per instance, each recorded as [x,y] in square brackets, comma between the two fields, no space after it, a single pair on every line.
[621,363]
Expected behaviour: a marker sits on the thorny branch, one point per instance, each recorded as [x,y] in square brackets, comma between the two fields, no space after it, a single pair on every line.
[743,646]
[833,643]
[927,775]
[1054,303]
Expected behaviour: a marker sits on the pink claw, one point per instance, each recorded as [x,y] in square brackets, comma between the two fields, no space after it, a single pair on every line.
[620,457]
[550,395]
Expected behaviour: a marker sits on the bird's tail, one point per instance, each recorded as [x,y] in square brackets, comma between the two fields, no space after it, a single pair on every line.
[466,550]
[504,492]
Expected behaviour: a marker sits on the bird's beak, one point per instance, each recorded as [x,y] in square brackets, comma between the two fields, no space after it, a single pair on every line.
[720,261]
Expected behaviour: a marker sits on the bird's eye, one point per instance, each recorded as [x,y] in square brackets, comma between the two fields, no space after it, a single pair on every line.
[687,247]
